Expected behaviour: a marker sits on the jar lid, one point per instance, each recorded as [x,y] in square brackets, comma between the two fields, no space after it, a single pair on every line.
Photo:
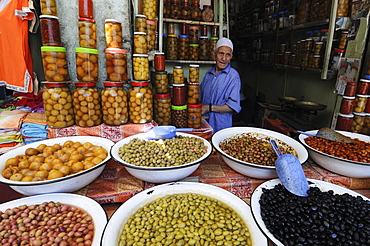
[140,55]
[194,45]
[55,84]
[193,65]
[87,50]
[193,27]
[53,48]
[358,95]
[183,36]
[161,72]
[179,85]
[346,115]
[49,16]
[319,43]
[317,56]
[367,76]
[87,19]
[175,2]
[182,107]
[195,5]
[177,67]
[115,50]
[112,20]
[193,83]
[207,6]
[194,105]
[84,84]
[162,95]
[172,36]
[360,114]
[203,37]
[140,16]
[214,38]
[186,4]
[351,83]
[140,83]
[139,33]
[350,98]
[324,30]
[111,83]
[159,53]
[340,50]
[365,80]
[150,22]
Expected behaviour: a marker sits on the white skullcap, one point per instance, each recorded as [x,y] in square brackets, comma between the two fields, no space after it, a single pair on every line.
[224,42]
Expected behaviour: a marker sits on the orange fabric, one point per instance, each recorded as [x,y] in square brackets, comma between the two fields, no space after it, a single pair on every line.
[15,54]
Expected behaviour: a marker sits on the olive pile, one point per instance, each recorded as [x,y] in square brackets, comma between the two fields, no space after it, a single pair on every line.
[162,153]
[185,219]
[322,218]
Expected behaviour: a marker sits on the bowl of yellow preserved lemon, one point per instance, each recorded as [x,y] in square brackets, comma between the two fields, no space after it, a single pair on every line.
[55,165]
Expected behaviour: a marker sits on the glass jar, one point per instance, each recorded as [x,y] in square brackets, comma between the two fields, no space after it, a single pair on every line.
[366,127]
[140,43]
[162,109]
[367,107]
[141,66]
[175,10]
[214,31]
[196,12]
[318,50]
[193,73]
[166,9]
[360,103]
[172,47]
[87,105]
[193,34]
[113,33]
[58,105]
[193,93]
[49,7]
[343,8]
[170,28]
[178,75]
[150,9]
[161,82]
[343,40]
[344,122]
[55,64]
[212,48]
[194,52]
[178,94]
[114,104]
[140,23]
[87,33]
[183,49]
[203,48]
[347,105]
[179,116]
[303,11]
[87,64]
[358,122]
[316,61]
[50,32]
[86,9]
[184,29]
[194,115]
[207,13]
[185,11]
[140,102]
[363,87]
[305,59]
[159,61]
[116,64]
[150,34]
[350,90]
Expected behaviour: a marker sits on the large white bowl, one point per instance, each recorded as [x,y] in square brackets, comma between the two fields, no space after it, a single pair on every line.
[116,223]
[65,184]
[270,184]
[89,205]
[250,169]
[353,169]
[159,174]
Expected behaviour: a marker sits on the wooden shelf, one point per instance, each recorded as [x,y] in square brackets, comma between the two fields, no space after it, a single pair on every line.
[190,62]
[192,22]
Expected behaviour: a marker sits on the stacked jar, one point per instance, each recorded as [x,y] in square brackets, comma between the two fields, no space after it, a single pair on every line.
[178,108]
[114,103]
[140,58]
[194,43]
[140,102]
[194,107]
[203,44]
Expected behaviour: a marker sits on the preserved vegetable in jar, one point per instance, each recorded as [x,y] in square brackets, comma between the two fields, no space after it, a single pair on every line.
[140,43]
[87,65]
[140,23]
[303,11]
[114,104]
[318,48]
[363,87]
[172,47]
[360,103]
[178,75]
[193,73]
[58,105]
[150,9]
[193,93]
[344,122]
[186,11]
[162,109]
[50,32]
[193,34]
[55,65]
[347,105]
[86,9]
[179,116]
[184,29]
[151,34]
[140,103]
[343,40]
[170,28]
[113,33]
[214,31]
[49,7]
[194,115]
[183,50]
[207,13]
[212,48]
[350,90]
[178,94]
[196,12]
[175,10]
[367,107]
[116,64]
[161,82]
[87,105]
[141,66]
[343,8]
[166,9]
[203,48]
[358,122]
[159,61]
[87,32]
[366,126]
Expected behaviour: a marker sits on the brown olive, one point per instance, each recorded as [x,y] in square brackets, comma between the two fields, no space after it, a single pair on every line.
[31,151]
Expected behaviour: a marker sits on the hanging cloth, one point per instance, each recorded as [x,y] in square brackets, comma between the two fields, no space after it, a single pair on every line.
[15,54]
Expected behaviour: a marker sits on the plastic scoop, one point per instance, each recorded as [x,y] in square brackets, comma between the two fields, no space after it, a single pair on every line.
[165,132]
[290,172]
[329,134]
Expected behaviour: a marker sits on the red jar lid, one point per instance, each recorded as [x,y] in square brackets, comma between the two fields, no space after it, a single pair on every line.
[351,83]
[193,27]
[139,83]
[195,5]
[115,51]
[186,4]
[207,6]
[194,105]
[56,84]
[109,83]
[87,19]
[162,95]
[84,84]
[340,50]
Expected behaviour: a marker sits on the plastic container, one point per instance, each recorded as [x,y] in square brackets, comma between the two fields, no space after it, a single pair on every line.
[151,34]
[183,47]
[49,7]
[140,43]
[203,48]
[350,90]
[172,47]
[114,104]
[58,105]
[162,109]
[363,87]
[178,94]
[140,103]
[175,10]
[50,31]
[113,33]
[211,48]
[344,122]
[86,9]
[360,103]
[87,105]
[178,75]
[194,52]
[87,64]
[116,64]
[161,82]
[55,64]
[193,93]
[207,13]
[358,122]
[87,33]
[193,73]
[159,61]
[196,12]
[140,23]
[194,115]
[185,11]
[193,34]
[347,105]
[179,116]
[150,9]
[141,66]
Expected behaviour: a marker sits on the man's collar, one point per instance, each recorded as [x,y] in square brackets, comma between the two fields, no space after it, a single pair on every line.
[225,70]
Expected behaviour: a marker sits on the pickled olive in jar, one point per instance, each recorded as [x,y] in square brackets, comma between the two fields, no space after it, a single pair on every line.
[366,126]
[87,105]
[58,105]
[150,9]
[343,8]
[178,94]
[140,103]
[87,32]
[347,105]
[194,115]
[344,122]
[175,10]
[194,52]
[161,82]
[179,116]
[183,48]
[358,122]
[86,9]
[203,48]
[172,47]
[316,61]
[49,7]
[363,87]
[185,11]
[150,34]
[166,9]
[318,48]
[350,90]
[196,12]
[193,93]
[140,23]
[87,66]
[207,13]
[116,64]
[193,73]
[141,67]
[212,48]
[50,31]
[343,40]
[178,75]
[113,33]
[360,103]
[159,61]
[140,43]
[162,109]
[55,63]
[193,34]
[114,104]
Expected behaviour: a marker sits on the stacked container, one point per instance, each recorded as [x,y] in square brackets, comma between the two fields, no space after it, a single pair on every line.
[194,107]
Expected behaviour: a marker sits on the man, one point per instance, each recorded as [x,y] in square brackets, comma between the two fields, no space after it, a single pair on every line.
[220,89]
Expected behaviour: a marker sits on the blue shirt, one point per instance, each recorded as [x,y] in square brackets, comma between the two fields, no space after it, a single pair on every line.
[220,89]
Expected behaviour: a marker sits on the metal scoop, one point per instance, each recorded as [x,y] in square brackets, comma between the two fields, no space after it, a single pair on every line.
[329,134]
[165,132]
[290,172]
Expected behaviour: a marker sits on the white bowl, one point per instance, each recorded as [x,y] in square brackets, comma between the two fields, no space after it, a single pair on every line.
[159,174]
[89,205]
[65,184]
[256,196]
[250,169]
[353,169]
[116,223]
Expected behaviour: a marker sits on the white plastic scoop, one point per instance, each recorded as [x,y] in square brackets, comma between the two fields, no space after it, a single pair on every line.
[165,132]
[290,172]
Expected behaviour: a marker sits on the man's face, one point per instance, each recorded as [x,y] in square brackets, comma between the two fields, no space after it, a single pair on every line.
[223,56]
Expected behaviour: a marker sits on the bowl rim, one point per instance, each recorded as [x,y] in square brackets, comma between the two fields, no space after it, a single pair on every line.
[115,147]
[302,137]
[216,146]
[56,140]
